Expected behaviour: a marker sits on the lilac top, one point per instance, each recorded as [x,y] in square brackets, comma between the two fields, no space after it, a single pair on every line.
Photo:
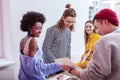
[33,68]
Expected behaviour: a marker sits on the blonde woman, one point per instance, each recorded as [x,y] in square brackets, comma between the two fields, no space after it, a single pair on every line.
[90,37]
[58,37]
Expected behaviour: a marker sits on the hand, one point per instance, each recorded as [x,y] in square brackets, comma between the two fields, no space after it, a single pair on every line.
[82,57]
[66,67]
[60,77]
[70,69]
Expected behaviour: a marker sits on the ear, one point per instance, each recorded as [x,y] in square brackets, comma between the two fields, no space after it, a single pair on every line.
[106,21]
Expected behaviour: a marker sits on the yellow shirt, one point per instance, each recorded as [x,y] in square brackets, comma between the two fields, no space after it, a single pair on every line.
[89,48]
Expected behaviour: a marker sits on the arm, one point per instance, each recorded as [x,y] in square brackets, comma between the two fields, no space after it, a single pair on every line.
[48,68]
[46,48]
[71,70]
[75,72]
[100,65]
[32,47]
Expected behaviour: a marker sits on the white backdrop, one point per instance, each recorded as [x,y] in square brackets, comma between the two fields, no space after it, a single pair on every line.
[53,10]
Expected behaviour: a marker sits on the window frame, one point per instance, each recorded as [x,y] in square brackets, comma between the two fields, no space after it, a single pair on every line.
[5,35]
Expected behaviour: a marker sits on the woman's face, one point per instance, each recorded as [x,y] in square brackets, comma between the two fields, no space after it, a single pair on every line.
[36,29]
[89,28]
[68,21]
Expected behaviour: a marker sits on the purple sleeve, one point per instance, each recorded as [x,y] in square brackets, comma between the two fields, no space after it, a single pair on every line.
[48,68]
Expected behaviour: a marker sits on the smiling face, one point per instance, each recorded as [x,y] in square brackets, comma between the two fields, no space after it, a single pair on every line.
[89,28]
[36,29]
[68,21]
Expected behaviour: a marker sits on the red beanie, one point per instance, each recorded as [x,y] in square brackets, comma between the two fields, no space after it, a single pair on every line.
[109,15]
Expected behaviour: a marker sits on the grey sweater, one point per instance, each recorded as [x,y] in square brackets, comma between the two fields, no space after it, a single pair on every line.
[104,64]
[56,44]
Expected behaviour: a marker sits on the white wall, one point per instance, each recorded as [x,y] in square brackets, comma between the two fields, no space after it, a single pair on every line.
[0,28]
[53,10]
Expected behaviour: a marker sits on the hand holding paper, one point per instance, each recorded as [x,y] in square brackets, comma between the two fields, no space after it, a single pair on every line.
[68,62]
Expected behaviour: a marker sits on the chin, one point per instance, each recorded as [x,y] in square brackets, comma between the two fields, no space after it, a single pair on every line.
[38,36]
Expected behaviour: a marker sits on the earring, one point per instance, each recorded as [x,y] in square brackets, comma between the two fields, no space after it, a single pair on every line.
[29,33]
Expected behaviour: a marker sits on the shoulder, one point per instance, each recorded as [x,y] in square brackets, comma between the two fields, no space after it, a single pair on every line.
[112,35]
[33,42]
[107,39]
[32,47]
[95,35]
[54,27]
[53,30]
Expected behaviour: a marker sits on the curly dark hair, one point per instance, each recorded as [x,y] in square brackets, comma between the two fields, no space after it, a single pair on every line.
[30,18]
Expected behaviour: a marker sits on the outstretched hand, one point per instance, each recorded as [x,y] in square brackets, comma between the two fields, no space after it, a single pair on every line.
[71,70]
[66,68]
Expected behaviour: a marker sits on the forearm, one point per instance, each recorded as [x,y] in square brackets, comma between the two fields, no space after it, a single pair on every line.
[75,72]
[71,70]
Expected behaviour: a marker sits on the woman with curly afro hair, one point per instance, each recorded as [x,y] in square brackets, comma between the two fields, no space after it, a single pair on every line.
[31,63]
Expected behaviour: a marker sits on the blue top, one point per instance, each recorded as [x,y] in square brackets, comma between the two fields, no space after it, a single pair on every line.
[33,68]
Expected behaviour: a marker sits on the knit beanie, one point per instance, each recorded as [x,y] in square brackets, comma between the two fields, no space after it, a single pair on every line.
[109,15]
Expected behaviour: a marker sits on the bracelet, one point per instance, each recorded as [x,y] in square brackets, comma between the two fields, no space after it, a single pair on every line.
[70,70]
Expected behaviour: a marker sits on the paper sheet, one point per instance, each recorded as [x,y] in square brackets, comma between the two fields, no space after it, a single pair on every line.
[67,61]
[59,77]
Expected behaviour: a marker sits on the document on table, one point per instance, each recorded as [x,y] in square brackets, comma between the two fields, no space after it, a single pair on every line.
[67,61]
[61,76]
